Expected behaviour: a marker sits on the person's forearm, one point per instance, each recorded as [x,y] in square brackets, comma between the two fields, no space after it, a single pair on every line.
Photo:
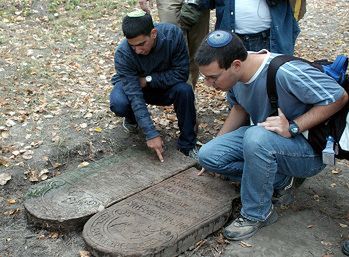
[318,114]
[236,118]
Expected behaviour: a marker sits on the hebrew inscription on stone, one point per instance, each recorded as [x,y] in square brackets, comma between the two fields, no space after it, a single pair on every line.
[67,201]
[163,220]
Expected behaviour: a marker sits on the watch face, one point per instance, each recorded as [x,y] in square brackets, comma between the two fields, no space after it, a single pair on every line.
[294,129]
[148,79]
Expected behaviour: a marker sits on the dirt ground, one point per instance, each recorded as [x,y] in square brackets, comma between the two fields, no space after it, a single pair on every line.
[56,61]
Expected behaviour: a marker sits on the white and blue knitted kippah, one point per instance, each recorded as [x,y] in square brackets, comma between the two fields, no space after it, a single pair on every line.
[136,14]
[219,38]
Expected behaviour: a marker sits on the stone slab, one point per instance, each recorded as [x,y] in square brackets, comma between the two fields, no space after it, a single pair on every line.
[67,201]
[163,220]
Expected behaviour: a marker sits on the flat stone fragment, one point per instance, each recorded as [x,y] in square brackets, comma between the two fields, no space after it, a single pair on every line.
[163,220]
[67,201]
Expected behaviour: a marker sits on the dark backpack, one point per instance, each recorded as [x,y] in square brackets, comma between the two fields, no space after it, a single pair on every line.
[335,125]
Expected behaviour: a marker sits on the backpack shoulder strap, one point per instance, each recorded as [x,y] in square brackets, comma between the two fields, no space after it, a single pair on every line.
[338,68]
[274,65]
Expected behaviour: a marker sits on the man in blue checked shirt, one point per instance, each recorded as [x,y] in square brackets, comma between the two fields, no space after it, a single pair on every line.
[152,67]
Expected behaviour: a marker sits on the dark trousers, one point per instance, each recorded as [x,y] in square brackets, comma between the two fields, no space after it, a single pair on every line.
[256,42]
[180,95]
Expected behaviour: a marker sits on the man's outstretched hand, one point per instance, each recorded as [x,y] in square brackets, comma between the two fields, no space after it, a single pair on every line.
[157,145]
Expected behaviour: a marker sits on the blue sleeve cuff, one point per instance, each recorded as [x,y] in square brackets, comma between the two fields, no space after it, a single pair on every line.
[151,134]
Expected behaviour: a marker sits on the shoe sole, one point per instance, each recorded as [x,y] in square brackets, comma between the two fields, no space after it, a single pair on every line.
[271,220]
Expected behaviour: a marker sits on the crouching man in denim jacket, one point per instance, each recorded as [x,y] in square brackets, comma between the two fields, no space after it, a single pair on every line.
[267,156]
[152,67]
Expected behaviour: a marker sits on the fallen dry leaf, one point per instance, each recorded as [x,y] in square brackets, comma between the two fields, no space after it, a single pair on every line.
[85,254]
[44,171]
[336,171]
[4,134]
[4,178]
[4,161]
[316,198]
[16,153]
[27,155]
[244,244]
[12,212]
[83,164]
[326,243]
[11,201]
[10,123]
[343,225]
[54,235]
[32,175]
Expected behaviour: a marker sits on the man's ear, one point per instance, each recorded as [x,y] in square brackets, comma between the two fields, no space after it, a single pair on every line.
[236,65]
[153,33]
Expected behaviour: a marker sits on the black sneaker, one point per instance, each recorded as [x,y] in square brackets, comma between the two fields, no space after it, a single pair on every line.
[286,196]
[129,127]
[242,228]
[192,153]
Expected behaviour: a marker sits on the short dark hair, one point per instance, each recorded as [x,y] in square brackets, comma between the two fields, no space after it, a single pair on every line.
[224,55]
[135,26]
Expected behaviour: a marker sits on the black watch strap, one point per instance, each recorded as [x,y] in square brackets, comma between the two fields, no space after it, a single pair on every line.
[293,128]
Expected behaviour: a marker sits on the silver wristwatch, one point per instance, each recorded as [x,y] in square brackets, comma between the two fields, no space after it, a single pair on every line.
[193,2]
[148,79]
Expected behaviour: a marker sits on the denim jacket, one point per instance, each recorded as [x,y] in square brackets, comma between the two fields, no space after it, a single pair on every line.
[283,31]
[167,63]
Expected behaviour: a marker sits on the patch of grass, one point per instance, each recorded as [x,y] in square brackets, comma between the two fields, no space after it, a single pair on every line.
[89,9]
[2,40]
[10,9]
[68,5]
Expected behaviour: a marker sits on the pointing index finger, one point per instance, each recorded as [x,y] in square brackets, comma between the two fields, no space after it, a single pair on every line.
[158,152]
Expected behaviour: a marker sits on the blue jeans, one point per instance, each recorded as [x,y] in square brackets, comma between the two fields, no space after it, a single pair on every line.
[180,95]
[263,161]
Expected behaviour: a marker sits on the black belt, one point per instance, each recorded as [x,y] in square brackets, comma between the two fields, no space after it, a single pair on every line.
[262,34]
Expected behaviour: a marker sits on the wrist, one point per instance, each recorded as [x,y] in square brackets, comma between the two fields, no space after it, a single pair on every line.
[293,128]
[192,2]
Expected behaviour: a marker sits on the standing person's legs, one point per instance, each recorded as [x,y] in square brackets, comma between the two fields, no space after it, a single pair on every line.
[169,10]
[182,97]
[195,36]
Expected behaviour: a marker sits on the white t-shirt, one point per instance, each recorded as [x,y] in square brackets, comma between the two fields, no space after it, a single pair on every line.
[251,16]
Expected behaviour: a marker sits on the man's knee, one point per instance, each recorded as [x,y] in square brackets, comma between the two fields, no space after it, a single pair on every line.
[184,91]
[119,104]
[257,138]
[206,156]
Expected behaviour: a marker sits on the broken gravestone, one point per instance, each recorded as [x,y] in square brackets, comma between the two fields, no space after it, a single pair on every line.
[163,220]
[66,202]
